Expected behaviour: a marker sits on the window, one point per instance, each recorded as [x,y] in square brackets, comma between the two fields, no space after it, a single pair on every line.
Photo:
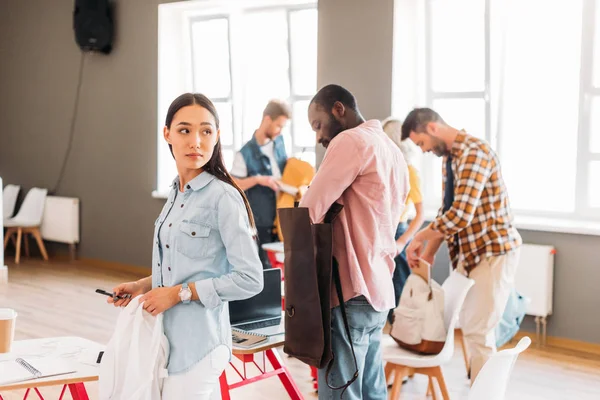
[257,51]
[502,71]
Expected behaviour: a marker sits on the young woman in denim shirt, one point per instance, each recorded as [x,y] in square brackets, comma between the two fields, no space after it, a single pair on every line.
[204,253]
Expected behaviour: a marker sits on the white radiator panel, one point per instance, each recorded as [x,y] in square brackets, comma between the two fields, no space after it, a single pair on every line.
[535,278]
[60,222]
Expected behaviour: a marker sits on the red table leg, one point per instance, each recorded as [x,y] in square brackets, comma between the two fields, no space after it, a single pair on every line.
[78,391]
[279,370]
[275,263]
[315,376]
[284,375]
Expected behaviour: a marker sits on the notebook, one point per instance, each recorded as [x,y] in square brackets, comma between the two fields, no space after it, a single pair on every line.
[246,339]
[20,370]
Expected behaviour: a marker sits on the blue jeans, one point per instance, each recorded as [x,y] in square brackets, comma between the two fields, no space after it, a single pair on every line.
[366,325]
[402,270]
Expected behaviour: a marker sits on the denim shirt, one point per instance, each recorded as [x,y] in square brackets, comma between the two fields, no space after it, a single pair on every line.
[210,243]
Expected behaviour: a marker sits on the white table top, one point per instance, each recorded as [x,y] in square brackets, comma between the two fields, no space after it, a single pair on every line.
[276,247]
[83,353]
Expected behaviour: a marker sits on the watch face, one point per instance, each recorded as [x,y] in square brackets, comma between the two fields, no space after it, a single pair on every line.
[185,294]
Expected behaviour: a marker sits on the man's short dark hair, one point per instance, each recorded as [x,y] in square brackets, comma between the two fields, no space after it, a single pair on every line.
[416,120]
[328,95]
[276,109]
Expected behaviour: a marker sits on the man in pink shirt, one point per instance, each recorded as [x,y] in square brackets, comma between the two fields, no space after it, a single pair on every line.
[366,173]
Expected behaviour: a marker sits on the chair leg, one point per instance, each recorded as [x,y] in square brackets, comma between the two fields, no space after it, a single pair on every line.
[389,370]
[9,234]
[18,249]
[442,383]
[38,238]
[431,389]
[399,373]
[26,243]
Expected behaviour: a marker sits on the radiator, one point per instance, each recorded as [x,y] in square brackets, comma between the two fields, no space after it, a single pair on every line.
[60,222]
[535,280]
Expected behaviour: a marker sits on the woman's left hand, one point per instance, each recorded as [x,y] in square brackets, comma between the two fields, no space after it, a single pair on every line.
[160,299]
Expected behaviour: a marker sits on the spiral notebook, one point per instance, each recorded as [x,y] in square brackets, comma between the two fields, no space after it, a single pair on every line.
[20,370]
[246,339]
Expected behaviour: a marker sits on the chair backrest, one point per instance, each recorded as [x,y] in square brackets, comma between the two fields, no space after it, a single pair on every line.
[9,200]
[456,287]
[492,381]
[32,208]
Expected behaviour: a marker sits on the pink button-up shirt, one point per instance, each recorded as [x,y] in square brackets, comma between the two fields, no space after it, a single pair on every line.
[365,172]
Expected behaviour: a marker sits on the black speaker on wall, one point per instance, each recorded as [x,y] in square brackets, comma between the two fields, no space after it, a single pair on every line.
[93,25]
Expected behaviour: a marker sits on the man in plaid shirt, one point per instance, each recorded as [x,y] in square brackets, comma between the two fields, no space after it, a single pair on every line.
[476,222]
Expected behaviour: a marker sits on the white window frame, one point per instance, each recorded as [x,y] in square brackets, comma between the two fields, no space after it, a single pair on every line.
[585,219]
[183,15]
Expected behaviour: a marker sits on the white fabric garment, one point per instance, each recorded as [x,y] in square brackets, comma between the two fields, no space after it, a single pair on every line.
[134,363]
[240,170]
[202,381]
[418,316]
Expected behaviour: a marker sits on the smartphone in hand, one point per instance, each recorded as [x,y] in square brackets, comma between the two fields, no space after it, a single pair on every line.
[104,292]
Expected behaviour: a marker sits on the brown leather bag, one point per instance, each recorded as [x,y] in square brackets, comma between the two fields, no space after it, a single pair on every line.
[309,268]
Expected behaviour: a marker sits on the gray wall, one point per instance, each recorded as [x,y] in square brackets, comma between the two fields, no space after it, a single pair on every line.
[112,166]
[113,161]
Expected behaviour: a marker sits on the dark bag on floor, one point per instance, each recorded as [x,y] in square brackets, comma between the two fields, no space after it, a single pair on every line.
[309,268]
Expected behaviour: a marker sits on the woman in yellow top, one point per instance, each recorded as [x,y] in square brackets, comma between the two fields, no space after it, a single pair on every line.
[405,231]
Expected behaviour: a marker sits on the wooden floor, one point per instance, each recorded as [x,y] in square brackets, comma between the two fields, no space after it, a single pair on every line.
[58,299]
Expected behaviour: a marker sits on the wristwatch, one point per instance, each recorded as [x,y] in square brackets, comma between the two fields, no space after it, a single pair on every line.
[185,294]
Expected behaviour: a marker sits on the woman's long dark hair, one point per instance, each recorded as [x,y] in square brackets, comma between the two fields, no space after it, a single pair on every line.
[215,165]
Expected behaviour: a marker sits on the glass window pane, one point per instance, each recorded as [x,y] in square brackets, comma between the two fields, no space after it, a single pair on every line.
[266,64]
[432,185]
[597,46]
[166,168]
[537,152]
[225,122]
[304,136]
[286,132]
[228,155]
[210,55]
[595,125]
[458,45]
[467,114]
[303,28]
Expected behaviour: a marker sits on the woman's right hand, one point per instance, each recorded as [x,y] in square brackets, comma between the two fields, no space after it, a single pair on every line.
[132,288]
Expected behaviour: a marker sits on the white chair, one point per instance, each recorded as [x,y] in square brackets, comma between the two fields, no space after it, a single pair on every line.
[9,200]
[28,221]
[401,363]
[492,381]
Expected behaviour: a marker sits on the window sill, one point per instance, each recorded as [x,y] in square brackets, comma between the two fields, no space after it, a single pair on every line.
[546,224]
[160,195]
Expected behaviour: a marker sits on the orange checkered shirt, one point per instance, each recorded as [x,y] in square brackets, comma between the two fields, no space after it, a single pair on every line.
[480,216]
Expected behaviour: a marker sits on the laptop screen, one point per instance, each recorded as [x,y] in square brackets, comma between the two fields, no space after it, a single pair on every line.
[266,304]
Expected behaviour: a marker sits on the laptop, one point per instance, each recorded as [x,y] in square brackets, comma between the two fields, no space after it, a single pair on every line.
[262,311]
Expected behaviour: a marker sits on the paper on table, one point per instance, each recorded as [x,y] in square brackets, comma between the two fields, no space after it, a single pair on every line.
[12,372]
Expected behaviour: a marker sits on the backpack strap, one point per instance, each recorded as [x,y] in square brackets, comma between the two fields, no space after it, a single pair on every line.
[338,289]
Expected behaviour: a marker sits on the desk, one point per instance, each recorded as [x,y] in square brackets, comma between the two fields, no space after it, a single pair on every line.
[81,352]
[268,350]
